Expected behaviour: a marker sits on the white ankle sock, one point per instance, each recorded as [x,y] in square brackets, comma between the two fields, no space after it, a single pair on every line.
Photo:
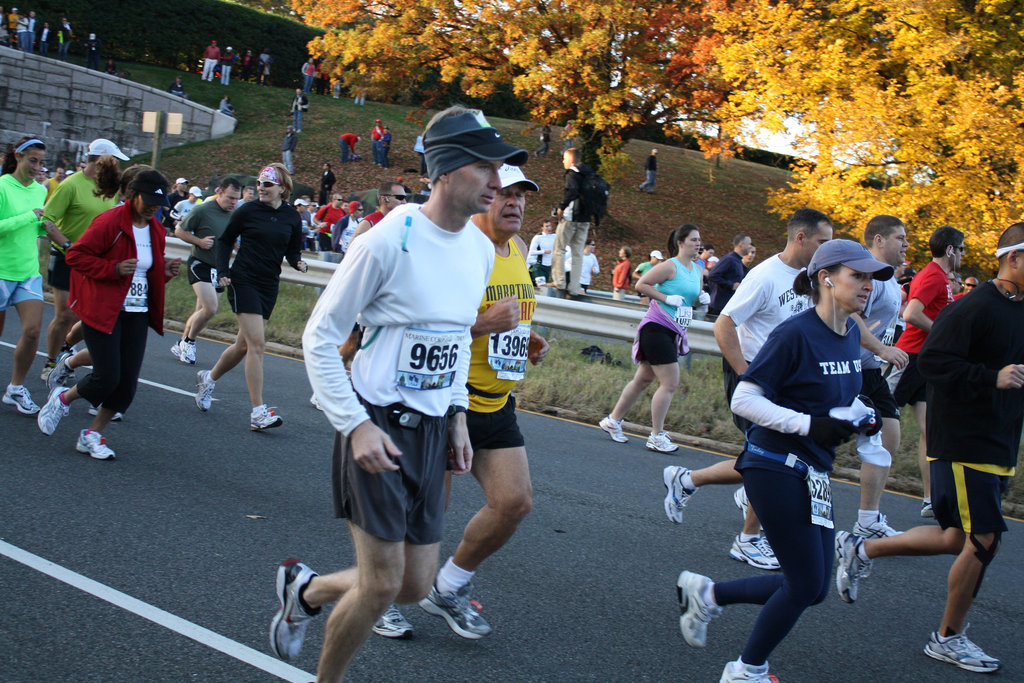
[867,517]
[747,538]
[708,595]
[687,481]
[452,577]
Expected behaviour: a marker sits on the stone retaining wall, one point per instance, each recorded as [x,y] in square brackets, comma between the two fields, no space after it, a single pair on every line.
[67,106]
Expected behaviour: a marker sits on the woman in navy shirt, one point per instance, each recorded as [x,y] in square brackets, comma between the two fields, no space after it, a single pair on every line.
[809,366]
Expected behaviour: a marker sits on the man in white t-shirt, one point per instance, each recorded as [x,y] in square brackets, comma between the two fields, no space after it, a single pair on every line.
[763,300]
[401,418]
[590,267]
[538,260]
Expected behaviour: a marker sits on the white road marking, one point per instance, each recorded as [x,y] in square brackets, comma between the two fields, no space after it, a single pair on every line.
[173,390]
[203,636]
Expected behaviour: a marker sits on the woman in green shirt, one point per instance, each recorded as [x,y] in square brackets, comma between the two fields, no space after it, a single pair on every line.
[21,285]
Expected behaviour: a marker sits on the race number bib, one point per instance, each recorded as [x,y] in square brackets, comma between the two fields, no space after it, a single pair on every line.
[506,352]
[888,339]
[684,314]
[137,300]
[213,277]
[427,359]
[820,489]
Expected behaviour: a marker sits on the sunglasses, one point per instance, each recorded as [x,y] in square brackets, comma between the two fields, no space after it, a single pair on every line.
[266,183]
[399,197]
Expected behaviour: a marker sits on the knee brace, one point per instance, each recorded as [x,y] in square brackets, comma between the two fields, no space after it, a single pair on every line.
[871,451]
[985,556]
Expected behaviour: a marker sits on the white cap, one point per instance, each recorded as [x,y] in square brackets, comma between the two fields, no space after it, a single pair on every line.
[181,181]
[511,175]
[657,254]
[69,172]
[196,191]
[301,202]
[102,146]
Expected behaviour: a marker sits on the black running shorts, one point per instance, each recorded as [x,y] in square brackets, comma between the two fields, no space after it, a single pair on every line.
[910,388]
[967,498]
[247,298]
[406,504]
[658,344]
[491,431]
[877,389]
[198,271]
[59,273]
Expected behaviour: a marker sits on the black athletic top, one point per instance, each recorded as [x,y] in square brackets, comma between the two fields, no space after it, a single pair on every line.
[969,419]
[268,235]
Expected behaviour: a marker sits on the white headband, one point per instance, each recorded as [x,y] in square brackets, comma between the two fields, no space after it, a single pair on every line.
[1006,250]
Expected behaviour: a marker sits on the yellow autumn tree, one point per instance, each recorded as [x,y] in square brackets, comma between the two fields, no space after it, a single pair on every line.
[905,107]
[612,68]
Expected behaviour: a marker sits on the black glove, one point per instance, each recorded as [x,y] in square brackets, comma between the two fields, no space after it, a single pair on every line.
[874,425]
[830,432]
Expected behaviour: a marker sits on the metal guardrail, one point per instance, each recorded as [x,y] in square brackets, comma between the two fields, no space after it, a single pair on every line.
[603,320]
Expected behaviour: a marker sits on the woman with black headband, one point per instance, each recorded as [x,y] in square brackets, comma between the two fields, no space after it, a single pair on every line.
[21,285]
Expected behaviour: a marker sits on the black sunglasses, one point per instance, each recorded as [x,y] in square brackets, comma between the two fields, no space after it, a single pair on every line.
[265,183]
[399,197]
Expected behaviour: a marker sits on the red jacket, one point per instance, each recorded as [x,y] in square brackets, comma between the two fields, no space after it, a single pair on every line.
[621,274]
[97,292]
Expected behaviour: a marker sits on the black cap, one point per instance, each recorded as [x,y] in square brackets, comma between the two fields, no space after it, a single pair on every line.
[152,187]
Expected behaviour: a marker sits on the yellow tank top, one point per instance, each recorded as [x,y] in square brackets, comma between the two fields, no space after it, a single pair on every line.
[498,361]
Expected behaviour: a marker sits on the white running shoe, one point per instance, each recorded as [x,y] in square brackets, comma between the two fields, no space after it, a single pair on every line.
[288,627]
[661,443]
[740,672]
[739,497]
[677,495]
[756,552]
[95,444]
[877,529]
[204,390]
[264,418]
[393,624]
[614,429]
[315,402]
[52,412]
[694,612]
[456,608]
[849,567]
[926,509]
[117,416]
[188,353]
[18,396]
[61,373]
[960,651]
[176,349]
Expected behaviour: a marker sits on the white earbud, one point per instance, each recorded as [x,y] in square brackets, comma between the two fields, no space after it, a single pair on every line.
[828,281]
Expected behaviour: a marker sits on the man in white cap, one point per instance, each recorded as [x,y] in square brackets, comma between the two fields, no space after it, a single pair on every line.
[401,418]
[655,259]
[182,208]
[71,208]
[502,343]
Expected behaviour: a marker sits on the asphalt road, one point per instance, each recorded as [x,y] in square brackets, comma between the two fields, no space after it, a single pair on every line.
[166,557]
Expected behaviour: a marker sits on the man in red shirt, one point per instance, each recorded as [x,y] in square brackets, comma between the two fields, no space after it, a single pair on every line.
[325,217]
[211,55]
[929,293]
[347,143]
[375,142]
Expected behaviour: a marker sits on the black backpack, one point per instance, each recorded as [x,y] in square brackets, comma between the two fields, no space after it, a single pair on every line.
[594,191]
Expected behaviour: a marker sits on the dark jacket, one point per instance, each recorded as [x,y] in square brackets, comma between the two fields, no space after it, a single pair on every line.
[726,273]
[290,142]
[573,191]
[652,163]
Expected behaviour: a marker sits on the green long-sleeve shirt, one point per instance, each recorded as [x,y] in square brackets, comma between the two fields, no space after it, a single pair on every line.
[73,205]
[19,228]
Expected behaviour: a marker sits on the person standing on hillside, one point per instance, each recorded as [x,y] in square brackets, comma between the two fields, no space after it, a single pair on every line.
[376,135]
[93,49]
[263,67]
[211,56]
[929,294]
[291,141]
[573,224]
[651,169]
[227,60]
[545,141]
[300,105]
[541,248]
[327,180]
[64,38]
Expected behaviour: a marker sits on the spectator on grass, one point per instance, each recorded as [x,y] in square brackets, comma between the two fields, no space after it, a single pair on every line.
[226,107]
[211,57]
[327,181]
[227,60]
[246,64]
[347,144]
[44,37]
[308,74]
[111,67]
[651,169]
[93,49]
[291,140]
[621,274]
[64,38]
[655,259]
[263,67]
[299,105]
[178,88]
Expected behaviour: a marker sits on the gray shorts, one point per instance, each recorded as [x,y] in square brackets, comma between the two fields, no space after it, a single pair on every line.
[406,504]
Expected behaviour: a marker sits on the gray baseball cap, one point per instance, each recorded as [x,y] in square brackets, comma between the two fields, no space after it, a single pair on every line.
[850,254]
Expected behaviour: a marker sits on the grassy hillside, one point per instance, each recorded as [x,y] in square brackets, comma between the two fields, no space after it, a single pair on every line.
[722,200]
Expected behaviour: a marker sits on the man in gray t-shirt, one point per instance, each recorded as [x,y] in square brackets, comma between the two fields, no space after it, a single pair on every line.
[886,239]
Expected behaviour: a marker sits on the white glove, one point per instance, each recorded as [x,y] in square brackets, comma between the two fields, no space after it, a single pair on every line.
[674,300]
[704,298]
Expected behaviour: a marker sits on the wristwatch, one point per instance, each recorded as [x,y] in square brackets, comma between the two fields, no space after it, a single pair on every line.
[66,245]
[452,410]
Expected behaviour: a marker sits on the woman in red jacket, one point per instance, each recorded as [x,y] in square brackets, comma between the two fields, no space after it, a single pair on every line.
[118,273]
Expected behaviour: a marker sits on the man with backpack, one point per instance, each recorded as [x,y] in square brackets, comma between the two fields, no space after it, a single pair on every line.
[579,207]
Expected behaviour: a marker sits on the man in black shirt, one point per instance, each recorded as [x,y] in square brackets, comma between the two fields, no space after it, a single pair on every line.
[976,411]
[573,224]
[651,168]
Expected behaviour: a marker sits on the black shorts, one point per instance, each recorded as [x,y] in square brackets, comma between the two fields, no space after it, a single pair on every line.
[198,271]
[406,504]
[491,431]
[966,498]
[59,273]
[658,344]
[730,379]
[247,298]
[911,386]
[877,389]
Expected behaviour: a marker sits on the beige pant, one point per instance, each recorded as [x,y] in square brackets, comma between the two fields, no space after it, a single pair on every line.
[571,235]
